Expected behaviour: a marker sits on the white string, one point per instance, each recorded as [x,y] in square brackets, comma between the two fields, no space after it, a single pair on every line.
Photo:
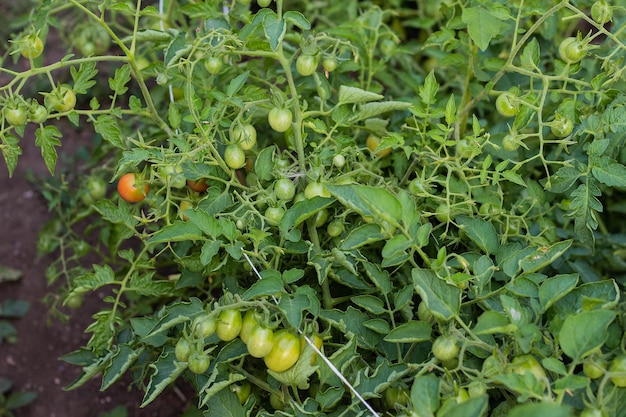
[320,353]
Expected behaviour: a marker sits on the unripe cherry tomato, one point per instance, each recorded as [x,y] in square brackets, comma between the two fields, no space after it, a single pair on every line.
[445,348]
[250,320]
[182,350]
[234,156]
[601,12]
[280,119]
[229,324]
[198,362]
[264,3]
[561,126]
[511,142]
[243,390]
[285,351]
[31,46]
[244,135]
[528,363]
[203,326]
[38,114]
[618,366]
[133,187]
[571,50]
[213,64]
[15,116]
[306,65]
[334,228]
[284,189]
[330,63]
[316,189]
[260,342]
[506,105]
[373,143]
[274,215]
[63,99]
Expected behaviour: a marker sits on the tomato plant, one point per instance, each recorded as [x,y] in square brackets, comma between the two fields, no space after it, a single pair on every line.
[31,46]
[466,252]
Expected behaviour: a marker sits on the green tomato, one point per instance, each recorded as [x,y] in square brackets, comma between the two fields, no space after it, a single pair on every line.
[264,3]
[339,161]
[443,213]
[618,367]
[213,64]
[321,217]
[15,116]
[445,348]
[63,99]
[510,142]
[234,156]
[594,368]
[198,362]
[245,136]
[203,326]
[260,342]
[38,114]
[172,175]
[280,119]
[285,351]
[424,313]
[334,228]
[74,300]
[330,63]
[571,50]
[251,319]
[31,46]
[506,105]
[561,126]
[229,324]
[274,215]
[601,12]
[593,412]
[284,189]
[306,65]
[396,397]
[243,390]
[182,350]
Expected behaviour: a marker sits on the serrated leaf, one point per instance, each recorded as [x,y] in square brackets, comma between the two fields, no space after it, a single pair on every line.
[225,403]
[11,152]
[165,370]
[583,208]
[176,48]
[106,125]
[176,232]
[609,172]
[47,138]
[410,332]
[370,303]
[83,78]
[89,371]
[236,83]
[123,358]
[102,275]
[349,95]
[120,80]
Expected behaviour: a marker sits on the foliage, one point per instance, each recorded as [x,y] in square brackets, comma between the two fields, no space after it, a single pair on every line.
[493,227]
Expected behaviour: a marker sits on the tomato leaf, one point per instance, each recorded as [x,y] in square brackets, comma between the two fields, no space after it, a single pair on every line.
[541,409]
[482,25]
[584,332]
[555,288]
[47,138]
[481,232]
[275,29]
[165,371]
[425,395]
[123,358]
[442,299]
[410,332]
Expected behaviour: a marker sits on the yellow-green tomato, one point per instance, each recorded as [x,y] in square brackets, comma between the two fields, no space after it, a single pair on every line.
[445,348]
[229,324]
[250,320]
[204,326]
[260,342]
[618,368]
[528,363]
[285,351]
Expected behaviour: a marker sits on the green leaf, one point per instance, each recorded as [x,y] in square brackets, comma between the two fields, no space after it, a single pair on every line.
[584,206]
[298,375]
[369,110]
[482,25]
[356,95]
[554,288]
[123,358]
[544,256]
[107,126]
[236,83]
[530,55]
[425,395]
[9,274]
[176,48]
[472,407]
[176,232]
[362,235]
[370,303]
[89,371]
[83,78]
[47,138]
[609,172]
[584,332]
[410,332]
[297,19]
[10,151]
[275,29]
[165,371]
[491,322]
[369,201]
[102,275]
[379,277]
[298,213]
[173,116]
[225,404]
[428,92]
[441,298]
[541,409]
[270,284]
[14,308]
[17,400]
[481,232]
[120,80]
